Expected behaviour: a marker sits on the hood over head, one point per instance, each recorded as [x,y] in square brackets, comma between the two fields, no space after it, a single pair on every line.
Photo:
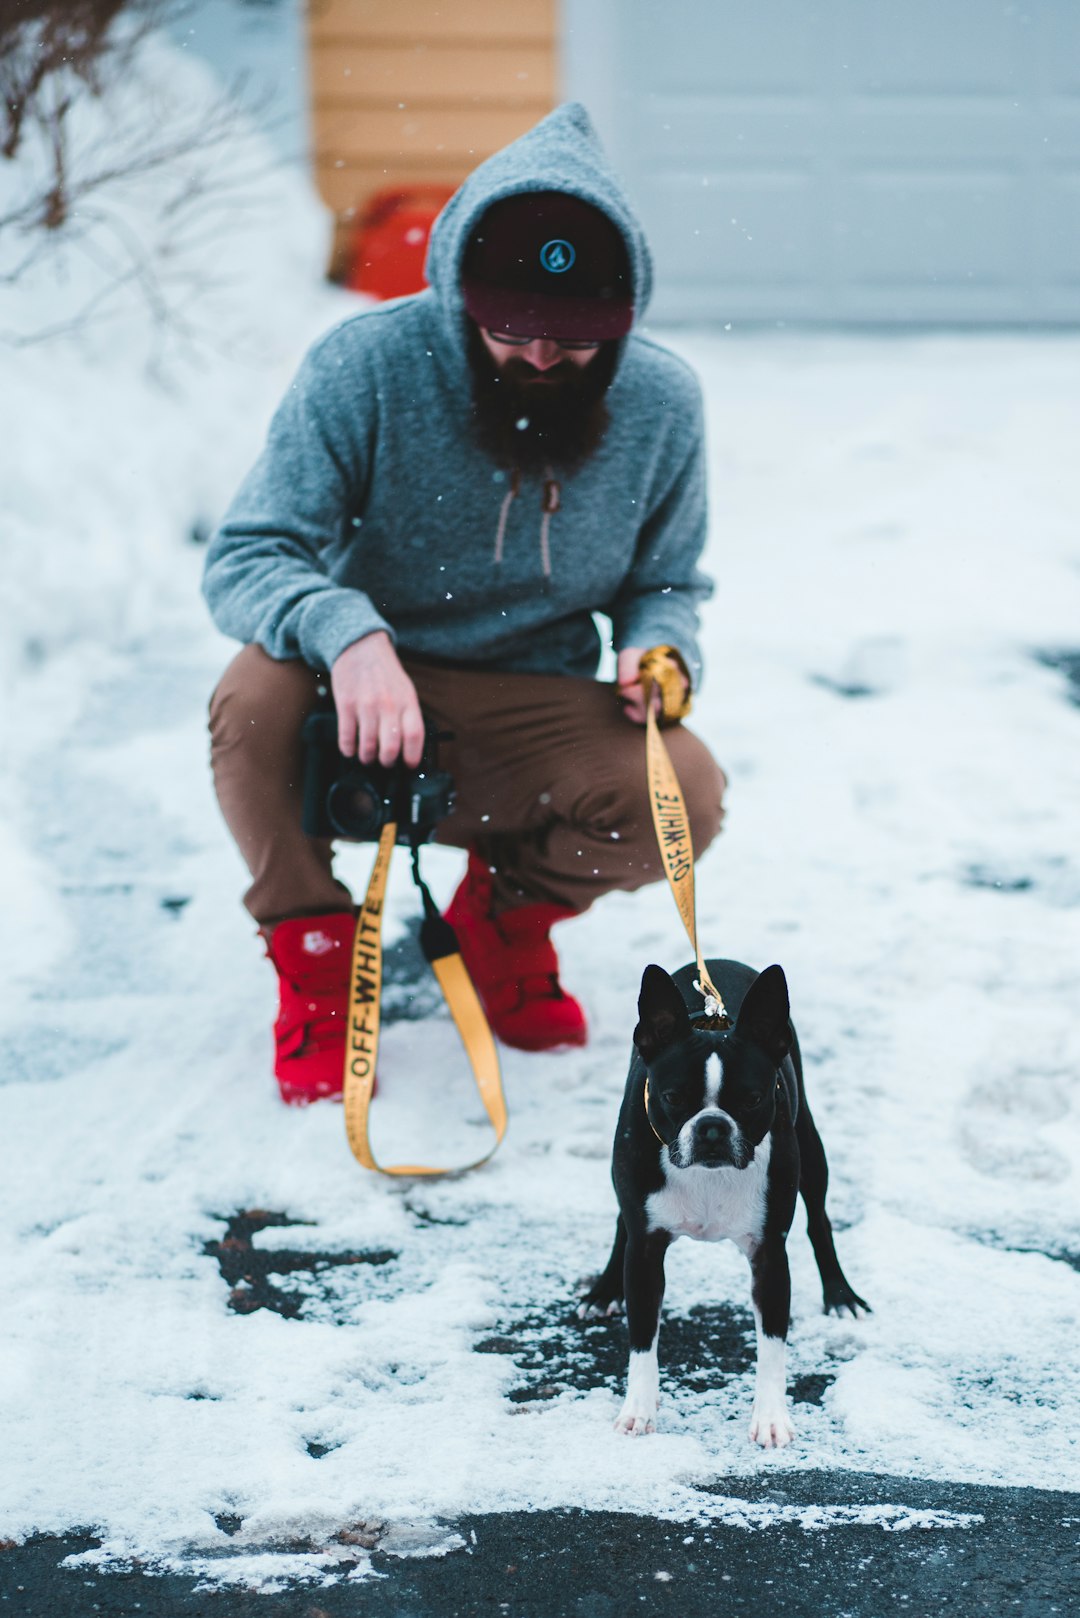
[561,154]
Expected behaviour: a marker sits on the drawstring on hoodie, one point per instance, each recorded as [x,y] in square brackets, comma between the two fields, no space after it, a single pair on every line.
[504,512]
[550,501]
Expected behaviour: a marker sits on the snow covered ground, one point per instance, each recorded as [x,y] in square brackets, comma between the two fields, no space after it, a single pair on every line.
[895,539]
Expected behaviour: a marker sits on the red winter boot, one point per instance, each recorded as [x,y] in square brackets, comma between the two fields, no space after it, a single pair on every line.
[313,958]
[513,965]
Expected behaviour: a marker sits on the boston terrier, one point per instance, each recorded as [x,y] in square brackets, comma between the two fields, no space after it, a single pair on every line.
[715,1141]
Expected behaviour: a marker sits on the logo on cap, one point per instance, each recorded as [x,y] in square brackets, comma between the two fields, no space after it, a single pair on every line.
[557,256]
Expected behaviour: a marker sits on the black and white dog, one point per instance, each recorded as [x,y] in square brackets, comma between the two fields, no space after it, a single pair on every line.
[715,1141]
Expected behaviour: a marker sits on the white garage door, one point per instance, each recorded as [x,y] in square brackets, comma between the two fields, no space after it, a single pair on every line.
[895,161]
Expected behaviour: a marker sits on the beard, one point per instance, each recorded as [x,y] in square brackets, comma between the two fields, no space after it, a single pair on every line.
[534,419]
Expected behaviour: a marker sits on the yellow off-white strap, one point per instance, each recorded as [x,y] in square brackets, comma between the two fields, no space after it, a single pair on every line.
[478,1040]
[362,1031]
[662,669]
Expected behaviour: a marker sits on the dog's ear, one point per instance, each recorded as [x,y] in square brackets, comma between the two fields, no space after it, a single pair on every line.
[764,1016]
[662,1015]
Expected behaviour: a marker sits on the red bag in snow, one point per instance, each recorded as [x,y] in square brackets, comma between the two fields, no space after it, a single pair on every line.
[391,241]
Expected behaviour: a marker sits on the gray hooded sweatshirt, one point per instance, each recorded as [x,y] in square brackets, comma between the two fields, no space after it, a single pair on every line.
[373,507]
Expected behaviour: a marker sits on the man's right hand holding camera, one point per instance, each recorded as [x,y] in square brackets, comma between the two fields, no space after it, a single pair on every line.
[377,707]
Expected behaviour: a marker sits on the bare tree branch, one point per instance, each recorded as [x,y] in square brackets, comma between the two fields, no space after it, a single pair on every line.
[55,53]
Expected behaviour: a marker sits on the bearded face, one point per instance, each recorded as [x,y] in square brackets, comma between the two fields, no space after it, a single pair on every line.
[532,418]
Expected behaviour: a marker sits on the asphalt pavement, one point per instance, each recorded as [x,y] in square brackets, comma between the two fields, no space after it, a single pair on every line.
[1021,1560]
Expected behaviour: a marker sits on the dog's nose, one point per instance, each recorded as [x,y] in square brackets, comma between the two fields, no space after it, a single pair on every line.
[712,1135]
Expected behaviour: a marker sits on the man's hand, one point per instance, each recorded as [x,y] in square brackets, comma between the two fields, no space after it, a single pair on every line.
[377,706]
[628,681]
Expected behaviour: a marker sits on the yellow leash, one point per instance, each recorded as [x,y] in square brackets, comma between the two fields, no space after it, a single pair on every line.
[662,670]
[362,1031]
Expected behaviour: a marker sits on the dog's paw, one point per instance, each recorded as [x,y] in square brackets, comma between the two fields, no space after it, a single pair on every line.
[770,1424]
[598,1309]
[601,1300]
[840,1299]
[638,1414]
[635,1418]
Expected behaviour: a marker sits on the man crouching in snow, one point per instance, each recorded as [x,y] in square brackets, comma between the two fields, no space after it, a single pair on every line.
[453,485]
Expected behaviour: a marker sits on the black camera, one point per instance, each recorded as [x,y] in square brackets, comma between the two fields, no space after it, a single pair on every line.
[344,798]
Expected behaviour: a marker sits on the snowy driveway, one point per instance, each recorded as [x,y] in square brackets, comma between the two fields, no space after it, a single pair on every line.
[896,544]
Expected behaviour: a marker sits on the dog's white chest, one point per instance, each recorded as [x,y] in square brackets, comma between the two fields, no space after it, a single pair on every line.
[712,1205]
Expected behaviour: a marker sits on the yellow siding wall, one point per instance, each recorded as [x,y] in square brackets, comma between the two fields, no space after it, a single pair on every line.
[408,91]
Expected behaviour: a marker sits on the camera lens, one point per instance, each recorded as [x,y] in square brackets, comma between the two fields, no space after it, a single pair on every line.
[355,809]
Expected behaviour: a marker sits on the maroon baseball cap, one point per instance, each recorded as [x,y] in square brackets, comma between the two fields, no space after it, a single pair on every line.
[547,264]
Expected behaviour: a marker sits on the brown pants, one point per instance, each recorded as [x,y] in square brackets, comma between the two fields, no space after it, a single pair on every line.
[550,780]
